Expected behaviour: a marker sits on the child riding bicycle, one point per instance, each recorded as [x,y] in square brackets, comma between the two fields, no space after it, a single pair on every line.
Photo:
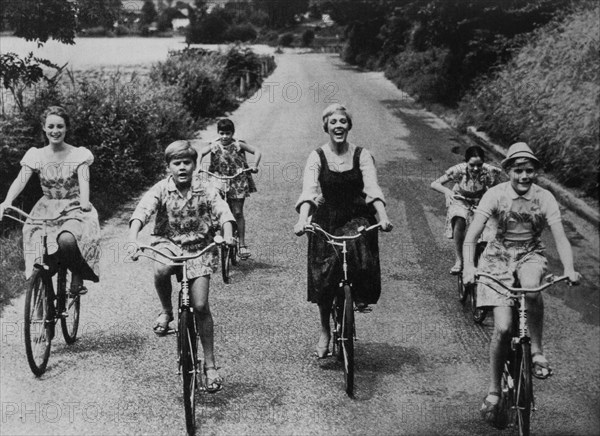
[189,213]
[521,210]
[228,157]
[472,178]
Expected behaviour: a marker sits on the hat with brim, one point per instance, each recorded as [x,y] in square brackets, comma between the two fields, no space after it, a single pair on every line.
[519,150]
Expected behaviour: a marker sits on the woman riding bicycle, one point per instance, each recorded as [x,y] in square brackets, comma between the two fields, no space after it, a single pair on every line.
[472,179]
[350,197]
[521,209]
[64,174]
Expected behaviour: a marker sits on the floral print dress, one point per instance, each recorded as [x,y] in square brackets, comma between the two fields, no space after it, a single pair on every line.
[60,186]
[227,160]
[470,188]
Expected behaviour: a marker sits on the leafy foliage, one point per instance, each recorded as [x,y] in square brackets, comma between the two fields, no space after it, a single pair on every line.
[40,20]
[548,96]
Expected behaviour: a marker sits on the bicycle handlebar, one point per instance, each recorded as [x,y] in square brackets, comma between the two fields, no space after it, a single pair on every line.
[23,214]
[179,260]
[362,230]
[517,291]
[222,177]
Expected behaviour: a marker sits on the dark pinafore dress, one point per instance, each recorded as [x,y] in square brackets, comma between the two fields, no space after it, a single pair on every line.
[343,211]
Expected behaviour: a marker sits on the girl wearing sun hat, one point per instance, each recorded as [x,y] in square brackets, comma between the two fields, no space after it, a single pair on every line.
[521,210]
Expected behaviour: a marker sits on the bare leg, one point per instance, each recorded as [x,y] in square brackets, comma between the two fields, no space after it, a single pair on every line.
[237,208]
[199,294]
[458,234]
[162,283]
[498,346]
[325,336]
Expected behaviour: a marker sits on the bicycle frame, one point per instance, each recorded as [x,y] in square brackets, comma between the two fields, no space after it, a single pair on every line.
[518,294]
[190,367]
[49,304]
[342,307]
[180,261]
[517,399]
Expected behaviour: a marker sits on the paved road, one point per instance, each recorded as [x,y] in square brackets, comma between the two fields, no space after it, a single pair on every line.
[421,363]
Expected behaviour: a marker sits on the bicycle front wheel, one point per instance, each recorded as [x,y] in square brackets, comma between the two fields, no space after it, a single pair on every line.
[38,323]
[68,305]
[347,340]
[225,262]
[187,340]
[524,389]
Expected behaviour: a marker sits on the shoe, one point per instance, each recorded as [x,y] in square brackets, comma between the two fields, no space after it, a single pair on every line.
[489,411]
[457,268]
[161,328]
[78,290]
[541,368]
[362,307]
[244,253]
[214,382]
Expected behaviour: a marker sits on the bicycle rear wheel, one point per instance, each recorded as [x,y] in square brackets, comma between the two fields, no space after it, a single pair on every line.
[69,306]
[347,340]
[524,389]
[187,341]
[225,262]
[38,323]
[478,313]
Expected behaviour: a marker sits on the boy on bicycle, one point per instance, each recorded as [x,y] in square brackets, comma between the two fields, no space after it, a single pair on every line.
[521,209]
[189,213]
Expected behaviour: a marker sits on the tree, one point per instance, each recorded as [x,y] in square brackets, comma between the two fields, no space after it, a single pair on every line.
[40,20]
[93,13]
[281,13]
[149,13]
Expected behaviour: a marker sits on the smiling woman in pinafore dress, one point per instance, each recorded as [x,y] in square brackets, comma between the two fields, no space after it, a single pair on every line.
[349,197]
[63,171]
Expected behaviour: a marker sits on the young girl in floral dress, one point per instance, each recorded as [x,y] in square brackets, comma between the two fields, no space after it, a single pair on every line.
[471,179]
[64,174]
[228,156]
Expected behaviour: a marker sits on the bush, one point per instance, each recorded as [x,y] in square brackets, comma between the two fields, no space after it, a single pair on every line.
[200,78]
[286,39]
[548,96]
[308,36]
[240,32]
[421,74]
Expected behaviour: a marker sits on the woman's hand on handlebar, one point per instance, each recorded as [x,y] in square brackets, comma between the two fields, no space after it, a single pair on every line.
[574,277]
[2,209]
[386,225]
[254,170]
[133,249]
[299,227]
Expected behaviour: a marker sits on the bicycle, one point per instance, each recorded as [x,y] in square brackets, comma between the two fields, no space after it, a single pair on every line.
[47,300]
[516,393]
[342,313]
[469,292]
[229,254]
[190,367]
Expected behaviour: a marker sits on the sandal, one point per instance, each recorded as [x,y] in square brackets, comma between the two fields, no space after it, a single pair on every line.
[161,328]
[456,269]
[541,367]
[362,307]
[215,383]
[488,410]
[244,252]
